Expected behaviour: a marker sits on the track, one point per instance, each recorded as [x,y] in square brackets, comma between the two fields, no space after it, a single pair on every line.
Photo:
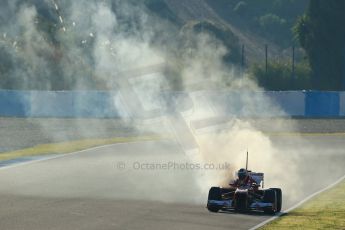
[90,191]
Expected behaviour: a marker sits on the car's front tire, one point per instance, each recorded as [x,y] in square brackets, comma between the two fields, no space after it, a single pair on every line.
[215,193]
[279,198]
[270,196]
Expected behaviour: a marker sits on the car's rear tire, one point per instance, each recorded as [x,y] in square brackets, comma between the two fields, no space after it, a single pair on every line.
[270,196]
[279,198]
[215,193]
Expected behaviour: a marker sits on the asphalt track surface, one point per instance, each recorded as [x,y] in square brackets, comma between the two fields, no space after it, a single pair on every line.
[102,189]
[90,190]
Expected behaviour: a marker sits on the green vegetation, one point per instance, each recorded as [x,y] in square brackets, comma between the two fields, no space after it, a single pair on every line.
[50,59]
[326,211]
[272,19]
[279,76]
[321,33]
[73,146]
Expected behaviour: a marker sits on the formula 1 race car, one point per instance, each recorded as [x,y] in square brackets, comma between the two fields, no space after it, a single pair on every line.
[245,195]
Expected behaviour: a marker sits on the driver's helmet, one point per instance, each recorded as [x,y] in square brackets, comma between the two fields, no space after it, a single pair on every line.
[242,173]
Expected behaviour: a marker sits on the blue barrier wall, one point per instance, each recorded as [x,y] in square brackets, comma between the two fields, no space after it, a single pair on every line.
[14,103]
[291,102]
[309,104]
[322,104]
[88,104]
[105,104]
[46,104]
[94,104]
[342,104]
[243,104]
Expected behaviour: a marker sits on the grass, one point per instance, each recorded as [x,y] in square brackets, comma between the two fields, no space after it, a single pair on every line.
[326,211]
[72,146]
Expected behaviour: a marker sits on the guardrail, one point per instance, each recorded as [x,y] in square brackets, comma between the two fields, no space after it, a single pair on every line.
[105,104]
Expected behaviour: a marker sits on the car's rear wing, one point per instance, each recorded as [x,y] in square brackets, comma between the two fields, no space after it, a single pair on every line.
[257,177]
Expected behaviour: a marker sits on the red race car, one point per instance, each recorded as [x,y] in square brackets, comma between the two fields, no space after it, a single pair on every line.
[245,194]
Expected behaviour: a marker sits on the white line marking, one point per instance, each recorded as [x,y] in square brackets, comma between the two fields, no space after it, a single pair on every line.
[69,154]
[298,204]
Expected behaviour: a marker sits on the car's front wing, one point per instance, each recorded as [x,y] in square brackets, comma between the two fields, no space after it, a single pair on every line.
[228,204]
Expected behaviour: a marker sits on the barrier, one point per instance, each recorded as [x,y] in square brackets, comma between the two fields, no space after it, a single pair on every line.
[14,103]
[342,104]
[243,104]
[85,104]
[107,104]
[291,102]
[322,104]
[49,103]
[97,104]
